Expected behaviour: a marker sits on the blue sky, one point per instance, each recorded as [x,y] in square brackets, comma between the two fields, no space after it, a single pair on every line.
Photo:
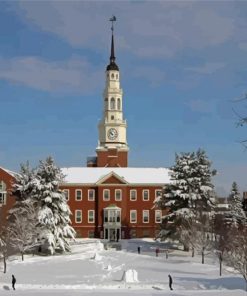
[183,68]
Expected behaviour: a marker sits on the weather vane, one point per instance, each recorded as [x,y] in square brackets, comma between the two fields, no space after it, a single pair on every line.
[112,20]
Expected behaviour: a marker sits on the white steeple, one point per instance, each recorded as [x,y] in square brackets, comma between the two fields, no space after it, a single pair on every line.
[112,127]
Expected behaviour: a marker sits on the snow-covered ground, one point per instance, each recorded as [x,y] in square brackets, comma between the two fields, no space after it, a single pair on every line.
[91,270]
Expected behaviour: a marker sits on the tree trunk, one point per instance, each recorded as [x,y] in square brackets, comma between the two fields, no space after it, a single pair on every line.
[4,264]
[186,248]
[193,252]
[22,256]
[202,256]
[220,266]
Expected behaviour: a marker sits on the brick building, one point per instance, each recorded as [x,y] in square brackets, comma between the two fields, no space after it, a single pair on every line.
[107,198]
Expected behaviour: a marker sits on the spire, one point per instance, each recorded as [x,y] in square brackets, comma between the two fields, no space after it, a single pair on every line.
[112,57]
[112,65]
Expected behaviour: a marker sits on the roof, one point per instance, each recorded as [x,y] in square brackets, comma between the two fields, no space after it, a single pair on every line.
[90,175]
[13,174]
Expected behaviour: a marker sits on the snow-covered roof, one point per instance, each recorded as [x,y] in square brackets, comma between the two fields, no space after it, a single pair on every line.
[90,175]
[13,174]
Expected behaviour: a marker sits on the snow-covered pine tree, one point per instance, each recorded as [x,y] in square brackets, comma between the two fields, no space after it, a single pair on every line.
[177,197]
[22,190]
[236,215]
[189,193]
[53,211]
[22,218]
[204,188]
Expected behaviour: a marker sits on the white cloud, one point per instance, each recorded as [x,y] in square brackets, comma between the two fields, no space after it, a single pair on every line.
[73,75]
[153,29]
[207,68]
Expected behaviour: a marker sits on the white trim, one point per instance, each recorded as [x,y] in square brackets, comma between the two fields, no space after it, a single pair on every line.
[135,194]
[146,211]
[143,190]
[160,215]
[93,211]
[88,195]
[109,194]
[4,200]
[76,212]
[133,211]
[64,191]
[78,190]
[116,190]
[156,191]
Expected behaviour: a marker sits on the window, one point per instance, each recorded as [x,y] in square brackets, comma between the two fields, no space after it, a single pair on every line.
[106,194]
[133,216]
[112,75]
[106,103]
[91,234]
[132,233]
[91,216]
[66,193]
[118,104]
[3,193]
[91,194]
[78,216]
[133,194]
[112,117]
[146,233]
[158,193]
[145,194]
[157,216]
[145,216]
[118,194]
[78,194]
[112,104]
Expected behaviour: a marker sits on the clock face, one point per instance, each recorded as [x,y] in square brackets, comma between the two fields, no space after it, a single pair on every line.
[112,134]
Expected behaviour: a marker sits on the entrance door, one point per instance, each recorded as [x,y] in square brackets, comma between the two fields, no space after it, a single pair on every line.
[112,235]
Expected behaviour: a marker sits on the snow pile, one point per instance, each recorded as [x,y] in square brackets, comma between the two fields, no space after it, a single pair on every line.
[130,276]
[97,257]
[108,267]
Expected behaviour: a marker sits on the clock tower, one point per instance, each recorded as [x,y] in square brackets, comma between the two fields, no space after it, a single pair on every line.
[112,150]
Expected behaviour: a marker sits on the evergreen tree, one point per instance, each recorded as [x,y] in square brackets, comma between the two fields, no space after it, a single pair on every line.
[53,211]
[190,191]
[236,215]
[22,217]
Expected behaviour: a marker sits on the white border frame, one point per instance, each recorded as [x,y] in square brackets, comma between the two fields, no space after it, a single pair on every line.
[88,194]
[66,190]
[143,190]
[143,216]
[93,211]
[155,217]
[78,211]
[78,190]
[135,194]
[120,190]
[133,211]
[106,190]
